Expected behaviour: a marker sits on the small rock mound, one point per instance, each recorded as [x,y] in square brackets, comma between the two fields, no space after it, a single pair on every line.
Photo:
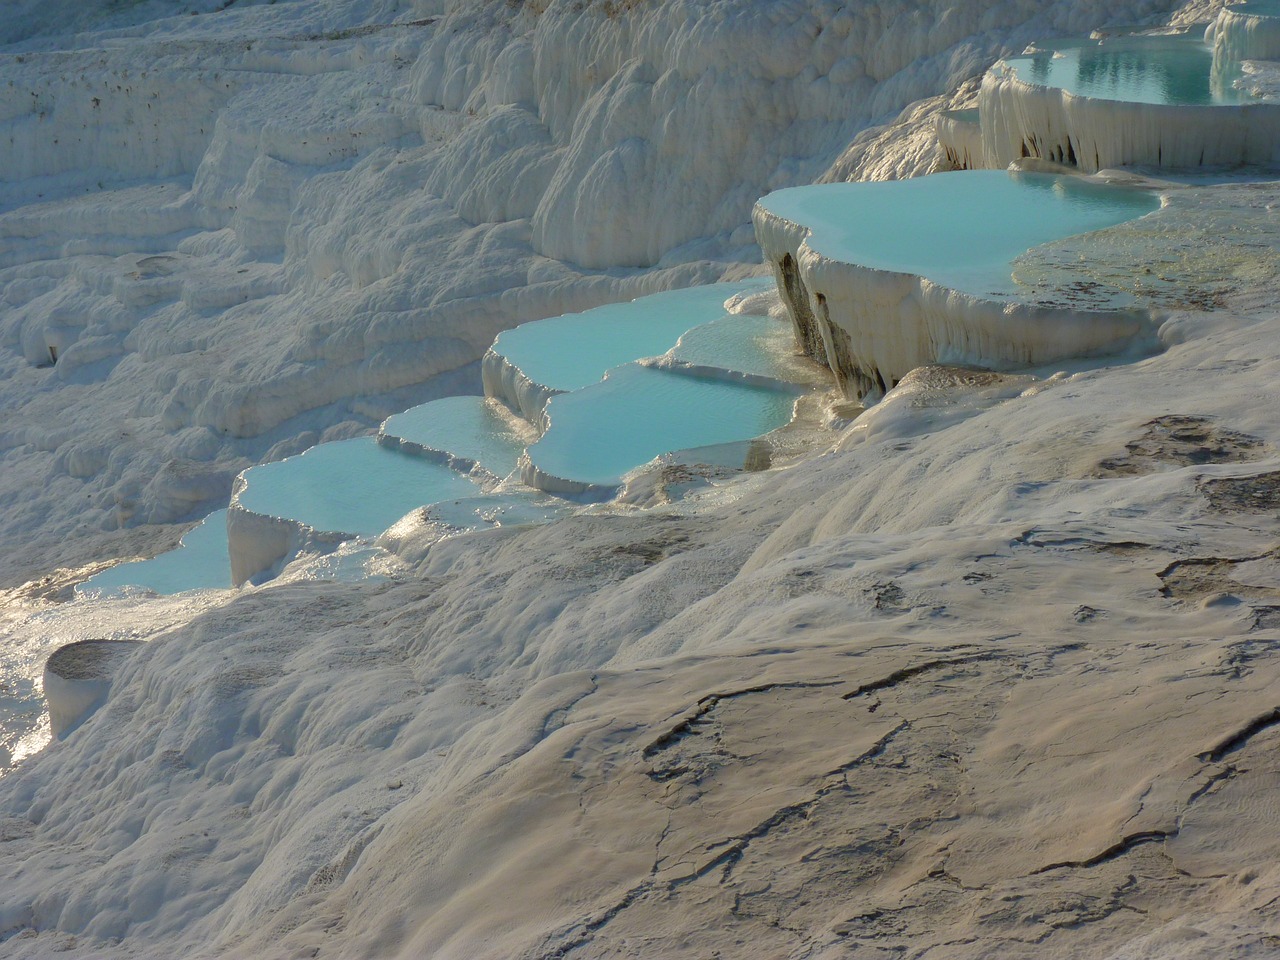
[77,678]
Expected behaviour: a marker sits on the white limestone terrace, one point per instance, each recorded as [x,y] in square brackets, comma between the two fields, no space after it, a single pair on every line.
[512,507]
[994,677]
[891,276]
[1245,31]
[617,425]
[381,190]
[1160,101]
[959,134]
[77,679]
[457,448]
[331,493]
[528,365]
[745,348]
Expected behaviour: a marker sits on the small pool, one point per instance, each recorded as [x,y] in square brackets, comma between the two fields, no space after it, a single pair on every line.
[200,563]
[961,229]
[1177,70]
[467,428]
[349,486]
[601,432]
[750,344]
[572,351]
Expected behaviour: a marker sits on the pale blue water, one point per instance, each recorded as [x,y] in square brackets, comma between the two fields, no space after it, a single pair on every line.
[577,349]
[601,432]
[742,343]
[961,229]
[470,428]
[201,562]
[350,486]
[1167,70]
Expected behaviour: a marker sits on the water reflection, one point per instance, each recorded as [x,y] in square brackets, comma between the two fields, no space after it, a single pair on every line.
[1164,70]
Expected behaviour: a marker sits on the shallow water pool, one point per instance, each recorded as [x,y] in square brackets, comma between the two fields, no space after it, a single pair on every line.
[572,351]
[1257,8]
[467,428]
[1164,70]
[350,486]
[603,431]
[757,346]
[201,562]
[962,229]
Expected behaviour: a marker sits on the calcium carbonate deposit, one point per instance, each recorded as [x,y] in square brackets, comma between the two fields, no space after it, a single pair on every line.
[985,669]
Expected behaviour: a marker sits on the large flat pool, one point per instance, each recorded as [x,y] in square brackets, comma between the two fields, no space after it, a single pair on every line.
[200,562]
[1164,70]
[572,351]
[350,486]
[599,433]
[962,229]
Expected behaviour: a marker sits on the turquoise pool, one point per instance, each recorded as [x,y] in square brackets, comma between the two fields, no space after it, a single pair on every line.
[572,351]
[744,343]
[350,486]
[961,229]
[201,562]
[1163,70]
[468,428]
[1257,8]
[599,433]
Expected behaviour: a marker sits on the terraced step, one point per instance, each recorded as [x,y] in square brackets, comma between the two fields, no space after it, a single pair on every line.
[746,348]
[886,277]
[598,434]
[1158,101]
[331,493]
[468,434]
[533,362]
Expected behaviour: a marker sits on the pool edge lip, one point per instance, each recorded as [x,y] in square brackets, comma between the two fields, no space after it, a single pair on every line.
[583,491]
[991,322]
[521,394]
[260,544]
[470,464]
[704,371]
[463,465]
